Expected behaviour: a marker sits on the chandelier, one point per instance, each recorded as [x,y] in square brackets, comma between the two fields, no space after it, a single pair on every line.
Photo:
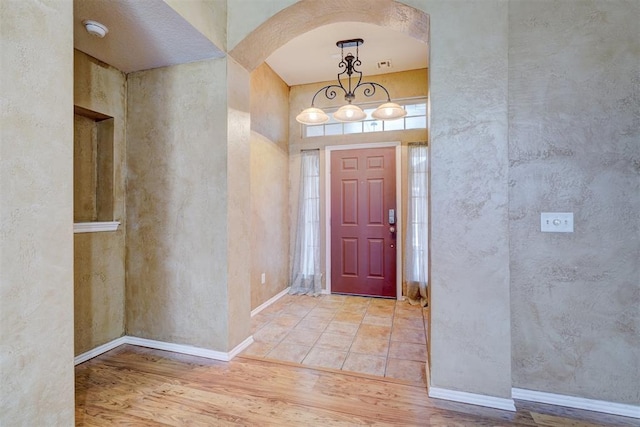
[346,79]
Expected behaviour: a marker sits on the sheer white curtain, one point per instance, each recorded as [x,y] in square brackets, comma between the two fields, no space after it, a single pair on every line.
[416,265]
[305,274]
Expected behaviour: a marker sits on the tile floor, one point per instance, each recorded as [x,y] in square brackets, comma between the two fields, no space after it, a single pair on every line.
[373,336]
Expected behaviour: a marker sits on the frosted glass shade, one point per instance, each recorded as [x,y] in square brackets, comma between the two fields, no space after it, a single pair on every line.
[349,113]
[312,116]
[389,111]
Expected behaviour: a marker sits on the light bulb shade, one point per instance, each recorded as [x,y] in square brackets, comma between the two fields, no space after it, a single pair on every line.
[349,113]
[389,111]
[312,116]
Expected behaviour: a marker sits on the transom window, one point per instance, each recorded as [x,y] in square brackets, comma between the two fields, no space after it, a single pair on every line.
[416,118]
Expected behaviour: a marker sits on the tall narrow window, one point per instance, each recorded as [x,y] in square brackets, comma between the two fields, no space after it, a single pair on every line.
[416,265]
[305,274]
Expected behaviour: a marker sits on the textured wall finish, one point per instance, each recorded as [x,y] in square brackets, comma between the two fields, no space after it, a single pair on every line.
[259,41]
[36,214]
[207,16]
[574,106]
[181,141]
[85,139]
[99,260]
[270,222]
[240,23]
[238,220]
[469,245]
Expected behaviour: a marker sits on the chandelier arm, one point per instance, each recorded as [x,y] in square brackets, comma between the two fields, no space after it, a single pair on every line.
[329,94]
[370,91]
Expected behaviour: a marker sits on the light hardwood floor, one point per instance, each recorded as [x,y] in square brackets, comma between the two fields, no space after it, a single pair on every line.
[137,386]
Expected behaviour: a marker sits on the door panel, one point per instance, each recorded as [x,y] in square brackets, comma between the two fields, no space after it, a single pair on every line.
[363,247]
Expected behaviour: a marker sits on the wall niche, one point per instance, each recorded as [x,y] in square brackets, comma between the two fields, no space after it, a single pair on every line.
[93,172]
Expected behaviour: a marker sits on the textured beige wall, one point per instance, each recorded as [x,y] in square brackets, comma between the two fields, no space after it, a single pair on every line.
[85,140]
[574,104]
[270,224]
[470,343]
[238,220]
[36,214]
[207,16]
[240,23]
[99,260]
[176,210]
[250,41]
[188,205]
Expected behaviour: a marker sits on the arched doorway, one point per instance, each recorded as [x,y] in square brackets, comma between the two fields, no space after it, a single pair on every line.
[306,15]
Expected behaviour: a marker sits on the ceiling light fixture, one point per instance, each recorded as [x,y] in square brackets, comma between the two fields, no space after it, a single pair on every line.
[350,112]
[95,28]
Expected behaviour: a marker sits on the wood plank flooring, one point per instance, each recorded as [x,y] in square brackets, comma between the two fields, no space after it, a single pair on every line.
[143,387]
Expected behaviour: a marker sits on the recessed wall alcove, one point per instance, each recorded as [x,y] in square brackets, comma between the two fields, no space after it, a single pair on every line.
[93,171]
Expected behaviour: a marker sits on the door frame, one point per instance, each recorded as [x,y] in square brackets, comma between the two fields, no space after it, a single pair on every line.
[327,217]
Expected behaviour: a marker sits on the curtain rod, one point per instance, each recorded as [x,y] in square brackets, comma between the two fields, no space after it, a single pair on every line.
[419,143]
[309,149]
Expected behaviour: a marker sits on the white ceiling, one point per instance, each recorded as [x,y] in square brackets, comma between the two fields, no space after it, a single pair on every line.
[146,34]
[143,34]
[314,57]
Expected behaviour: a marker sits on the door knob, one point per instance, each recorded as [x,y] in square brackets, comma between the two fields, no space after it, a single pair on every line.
[392,229]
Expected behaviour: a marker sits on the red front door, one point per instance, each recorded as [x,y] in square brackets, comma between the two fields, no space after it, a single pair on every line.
[363,237]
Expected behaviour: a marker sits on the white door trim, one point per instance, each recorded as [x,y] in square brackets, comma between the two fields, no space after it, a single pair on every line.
[327,198]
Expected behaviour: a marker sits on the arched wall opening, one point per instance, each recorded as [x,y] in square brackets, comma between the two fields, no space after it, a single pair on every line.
[301,18]
[468,167]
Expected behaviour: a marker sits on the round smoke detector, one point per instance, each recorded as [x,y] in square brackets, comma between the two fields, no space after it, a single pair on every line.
[95,28]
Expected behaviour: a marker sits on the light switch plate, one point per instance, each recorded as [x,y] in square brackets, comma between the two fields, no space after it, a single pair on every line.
[556,222]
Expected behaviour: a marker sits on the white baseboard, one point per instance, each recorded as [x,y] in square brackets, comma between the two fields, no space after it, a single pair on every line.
[161,345]
[270,301]
[577,402]
[238,349]
[99,350]
[472,398]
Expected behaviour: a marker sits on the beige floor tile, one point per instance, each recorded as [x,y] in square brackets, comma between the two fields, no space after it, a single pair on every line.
[408,312]
[271,333]
[408,370]
[302,337]
[325,358]
[415,336]
[342,328]
[336,342]
[410,323]
[355,300]
[408,351]
[346,316]
[334,298]
[383,302]
[371,346]
[354,309]
[365,364]
[372,319]
[312,324]
[287,320]
[337,330]
[258,349]
[374,331]
[381,310]
[323,312]
[289,352]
